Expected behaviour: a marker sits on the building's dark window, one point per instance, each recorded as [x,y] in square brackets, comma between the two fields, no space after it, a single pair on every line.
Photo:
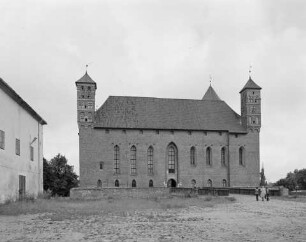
[193,156]
[116,159]
[2,139]
[241,156]
[208,156]
[116,183]
[133,160]
[31,153]
[101,164]
[151,183]
[17,147]
[209,183]
[223,156]
[99,183]
[133,183]
[150,160]
[193,183]
[224,183]
[171,159]
[88,88]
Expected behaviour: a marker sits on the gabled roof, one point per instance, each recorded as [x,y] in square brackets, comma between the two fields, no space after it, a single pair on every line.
[170,114]
[86,79]
[10,91]
[250,85]
[211,95]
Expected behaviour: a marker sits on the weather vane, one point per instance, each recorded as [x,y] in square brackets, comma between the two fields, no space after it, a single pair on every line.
[87,65]
[210,79]
[250,71]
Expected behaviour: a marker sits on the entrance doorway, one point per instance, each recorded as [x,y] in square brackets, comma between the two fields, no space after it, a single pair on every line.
[22,186]
[171,183]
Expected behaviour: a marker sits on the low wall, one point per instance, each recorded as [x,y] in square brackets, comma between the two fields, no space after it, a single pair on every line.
[118,192]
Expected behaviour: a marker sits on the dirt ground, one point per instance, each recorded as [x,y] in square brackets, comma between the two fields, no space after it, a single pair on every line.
[242,220]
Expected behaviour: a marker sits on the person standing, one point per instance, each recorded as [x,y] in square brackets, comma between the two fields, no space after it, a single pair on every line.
[262,193]
[268,193]
[256,193]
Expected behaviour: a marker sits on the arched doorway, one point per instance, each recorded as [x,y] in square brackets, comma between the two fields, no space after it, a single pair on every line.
[171,183]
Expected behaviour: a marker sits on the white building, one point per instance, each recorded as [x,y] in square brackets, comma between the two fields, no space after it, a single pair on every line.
[21,146]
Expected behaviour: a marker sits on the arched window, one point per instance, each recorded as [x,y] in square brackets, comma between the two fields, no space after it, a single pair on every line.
[99,183]
[150,160]
[116,159]
[133,160]
[241,156]
[224,183]
[133,183]
[209,183]
[192,156]
[151,183]
[116,183]
[208,156]
[171,158]
[223,163]
[193,183]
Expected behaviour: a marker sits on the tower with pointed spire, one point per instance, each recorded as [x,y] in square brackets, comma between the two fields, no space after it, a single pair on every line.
[251,105]
[86,91]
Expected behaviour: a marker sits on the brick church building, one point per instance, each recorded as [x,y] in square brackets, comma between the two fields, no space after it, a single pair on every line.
[157,142]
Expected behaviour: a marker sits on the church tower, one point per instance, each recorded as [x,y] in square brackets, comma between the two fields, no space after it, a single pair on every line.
[86,91]
[251,105]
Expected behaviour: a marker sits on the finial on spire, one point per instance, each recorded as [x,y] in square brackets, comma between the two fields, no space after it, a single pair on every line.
[210,79]
[87,66]
[250,71]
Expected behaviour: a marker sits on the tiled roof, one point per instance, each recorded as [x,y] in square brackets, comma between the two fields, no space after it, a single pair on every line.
[250,85]
[211,95]
[10,91]
[171,114]
[86,79]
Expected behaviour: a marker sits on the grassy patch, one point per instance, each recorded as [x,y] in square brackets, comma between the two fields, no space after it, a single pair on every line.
[58,209]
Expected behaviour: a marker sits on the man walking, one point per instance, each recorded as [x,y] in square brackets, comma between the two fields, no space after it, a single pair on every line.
[256,193]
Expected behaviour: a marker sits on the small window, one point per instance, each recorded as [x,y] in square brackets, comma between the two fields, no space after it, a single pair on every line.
[133,183]
[17,147]
[150,160]
[193,156]
[209,183]
[88,88]
[82,87]
[171,159]
[32,153]
[133,160]
[151,183]
[116,183]
[101,164]
[2,139]
[116,159]
[99,183]
[193,183]
[224,183]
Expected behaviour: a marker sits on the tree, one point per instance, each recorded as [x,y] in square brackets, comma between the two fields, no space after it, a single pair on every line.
[59,177]
[294,179]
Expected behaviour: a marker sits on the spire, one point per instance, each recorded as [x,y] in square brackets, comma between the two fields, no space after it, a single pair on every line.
[211,95]
[86,79]
[250,85]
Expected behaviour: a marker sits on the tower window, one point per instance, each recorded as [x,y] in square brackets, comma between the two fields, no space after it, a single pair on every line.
[223,156]
[101,164]
[224,183]
[88,88]
[17,147]
[133,160]
[99,183]
[150,160]
[116,159]
[82,87]
[151,183]
[116,183]
[2,139]
[208,156]
[134,183]
[241,156]
[209,183]
[171,159]
[31,153]
[193,156]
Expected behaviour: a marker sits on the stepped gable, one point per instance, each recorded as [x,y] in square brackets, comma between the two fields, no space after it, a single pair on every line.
[171,114]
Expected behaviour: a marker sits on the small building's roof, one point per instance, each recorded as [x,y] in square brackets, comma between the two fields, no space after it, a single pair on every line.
[211,95]
[86,79]
[167,114]
[10,91]
[250,85]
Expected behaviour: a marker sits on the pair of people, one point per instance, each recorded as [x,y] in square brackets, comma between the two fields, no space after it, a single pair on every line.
[263,192]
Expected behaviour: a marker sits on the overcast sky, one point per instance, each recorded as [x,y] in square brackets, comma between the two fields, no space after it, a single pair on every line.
[163,49]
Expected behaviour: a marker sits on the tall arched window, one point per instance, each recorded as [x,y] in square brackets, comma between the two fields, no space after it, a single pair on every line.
[223,163]
[241,156]
[224,183]
[192,156]
[133,160]
[208,156]
[116,183]
[171,158]
[209,183]
[133,183]
[116,159]
[150,160]
[151,183]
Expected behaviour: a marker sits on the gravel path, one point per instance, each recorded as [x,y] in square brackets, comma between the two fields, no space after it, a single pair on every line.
[243,220]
